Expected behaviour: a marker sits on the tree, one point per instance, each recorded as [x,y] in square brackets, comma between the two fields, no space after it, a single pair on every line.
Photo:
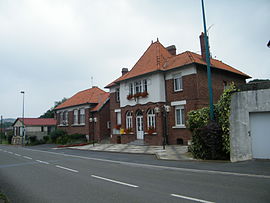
[50,113]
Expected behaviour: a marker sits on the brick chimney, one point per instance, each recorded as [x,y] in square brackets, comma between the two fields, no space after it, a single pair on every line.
[124,71]
[171,49]
[203,50]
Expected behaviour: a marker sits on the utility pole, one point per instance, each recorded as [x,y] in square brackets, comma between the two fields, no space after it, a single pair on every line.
[23,133]
[1,129]
[210,90]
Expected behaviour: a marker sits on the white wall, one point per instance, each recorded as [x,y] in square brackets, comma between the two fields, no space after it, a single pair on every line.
[155,89]
[188,70]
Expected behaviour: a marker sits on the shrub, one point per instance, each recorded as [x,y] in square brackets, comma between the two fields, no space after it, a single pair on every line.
[62,139]
[77,136]
[46,139]
[33,139]
[57,133]
[211,140]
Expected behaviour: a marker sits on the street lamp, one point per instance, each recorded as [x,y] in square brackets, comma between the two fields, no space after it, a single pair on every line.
[164,110]
[208,66]
[22,92]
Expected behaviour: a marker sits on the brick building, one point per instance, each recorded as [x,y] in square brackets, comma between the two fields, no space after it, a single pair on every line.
[151,101]
[87,112]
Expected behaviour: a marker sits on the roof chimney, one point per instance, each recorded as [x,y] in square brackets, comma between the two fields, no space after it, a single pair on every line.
[203,51]
[171,49]
[124,71]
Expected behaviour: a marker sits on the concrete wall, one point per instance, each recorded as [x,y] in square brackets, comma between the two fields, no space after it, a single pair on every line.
[242,104]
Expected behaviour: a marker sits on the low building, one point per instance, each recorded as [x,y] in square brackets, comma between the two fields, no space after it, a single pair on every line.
[250,122]
[87,112]
[151,101]
[38,127]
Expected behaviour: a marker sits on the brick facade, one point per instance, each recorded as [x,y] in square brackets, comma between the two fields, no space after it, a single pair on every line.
[195,93]
[96,130]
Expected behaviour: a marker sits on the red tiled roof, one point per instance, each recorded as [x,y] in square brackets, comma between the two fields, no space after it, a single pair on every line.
[157,58]
[37,121]
[190,57]
[103,98]
[90,96]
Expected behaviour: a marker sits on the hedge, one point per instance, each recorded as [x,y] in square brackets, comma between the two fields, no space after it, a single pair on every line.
[211,139]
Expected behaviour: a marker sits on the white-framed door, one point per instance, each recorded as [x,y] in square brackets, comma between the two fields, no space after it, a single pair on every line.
[139,125]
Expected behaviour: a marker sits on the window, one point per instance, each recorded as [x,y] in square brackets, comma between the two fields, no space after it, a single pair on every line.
[118,118]
[178,83]
[138,87]
[129,120]
[65,118]
[131,88]
[179,116]
[151,119]
[82,116]
[225,85]
[145,85]
[61,118]
[117,94]
[75,116]
[42,128]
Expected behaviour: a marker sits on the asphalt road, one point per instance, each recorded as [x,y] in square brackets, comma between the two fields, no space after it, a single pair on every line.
[42,174]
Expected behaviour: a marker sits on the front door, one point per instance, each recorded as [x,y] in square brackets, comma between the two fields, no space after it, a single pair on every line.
[139,127]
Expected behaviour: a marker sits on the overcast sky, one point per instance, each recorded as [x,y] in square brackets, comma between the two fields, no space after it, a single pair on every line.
[52,48]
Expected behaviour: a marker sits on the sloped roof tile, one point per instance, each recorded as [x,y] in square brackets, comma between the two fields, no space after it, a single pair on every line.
[157,58]
[90,96]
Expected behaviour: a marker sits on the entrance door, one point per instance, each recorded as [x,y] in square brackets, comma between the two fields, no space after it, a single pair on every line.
[260,128]
[139,125]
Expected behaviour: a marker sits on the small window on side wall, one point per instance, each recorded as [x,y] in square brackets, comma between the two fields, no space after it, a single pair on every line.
[179,116]
[178,83]
[117,94]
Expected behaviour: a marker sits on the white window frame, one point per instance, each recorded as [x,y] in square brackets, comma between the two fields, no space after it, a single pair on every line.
[61,118]
[82,116]
[131,88]
[129,120]
[65,116]
[138,86]
[151,119]
[177,83]
[118,118]
[144,85]
[180,117]
[75,117]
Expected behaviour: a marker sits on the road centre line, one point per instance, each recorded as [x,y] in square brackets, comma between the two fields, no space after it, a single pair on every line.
[43,162]
[191,198]
[114,181]
[160,167]
[17,154]
[10,152]
[27,157]
[68,169]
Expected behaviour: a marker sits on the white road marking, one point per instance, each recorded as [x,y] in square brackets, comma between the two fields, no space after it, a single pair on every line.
[114,181]
[43,162]
[191,198]
[160,167]
[10,152]
[69,169]
[17,154]
[27,157]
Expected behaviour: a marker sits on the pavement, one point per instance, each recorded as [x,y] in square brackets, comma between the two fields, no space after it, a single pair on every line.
[171,152]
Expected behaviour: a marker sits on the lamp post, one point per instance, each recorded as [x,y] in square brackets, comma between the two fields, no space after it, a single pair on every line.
[23,133]
[208,66]
[164,110]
